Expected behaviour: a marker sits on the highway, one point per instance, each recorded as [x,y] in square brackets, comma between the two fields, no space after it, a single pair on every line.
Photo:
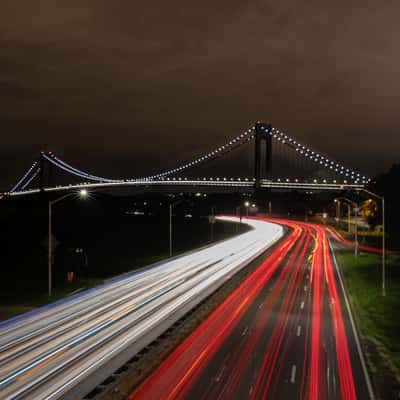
[66,348]
[285,333]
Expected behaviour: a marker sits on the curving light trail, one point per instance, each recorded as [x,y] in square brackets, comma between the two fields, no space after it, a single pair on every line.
[283,333]
[49,352]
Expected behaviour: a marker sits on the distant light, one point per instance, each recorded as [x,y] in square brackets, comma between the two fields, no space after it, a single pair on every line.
[246,203]
[83,193]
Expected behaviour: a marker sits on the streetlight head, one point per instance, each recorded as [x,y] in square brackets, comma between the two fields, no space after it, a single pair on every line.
[83,193]
[246,203]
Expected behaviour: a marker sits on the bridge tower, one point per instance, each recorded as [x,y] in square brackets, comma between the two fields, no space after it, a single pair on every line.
[46,171]
[262,158]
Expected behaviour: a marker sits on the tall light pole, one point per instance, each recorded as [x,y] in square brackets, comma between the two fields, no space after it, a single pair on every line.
[382,198]
[171,205]
[238,214]
[247,205]
[170,230]
[355,205]
[82,193]
[356,229]
[348,217]
[212,221]
[337,201]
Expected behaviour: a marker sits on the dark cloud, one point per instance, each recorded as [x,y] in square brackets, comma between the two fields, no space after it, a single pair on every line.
[116,84]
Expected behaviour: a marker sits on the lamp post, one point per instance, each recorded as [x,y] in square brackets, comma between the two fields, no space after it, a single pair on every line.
[170,230]
[238,215]
[247,205]
[356,229]
[171,205]
[348,217]
[82,193]
[382,198]
[337,201]
[212,222]
[355,205]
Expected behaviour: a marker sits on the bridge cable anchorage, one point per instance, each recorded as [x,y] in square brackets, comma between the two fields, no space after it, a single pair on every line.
[234,143]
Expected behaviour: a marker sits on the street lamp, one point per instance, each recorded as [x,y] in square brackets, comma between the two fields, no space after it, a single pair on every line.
[337,201]
[355,205]
[247,205]
[171,205]
[382,198]
[82,193]
[238,215]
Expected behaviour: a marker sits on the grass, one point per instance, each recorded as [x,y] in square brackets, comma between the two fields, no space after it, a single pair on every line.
[378,316]
[19,305]
[14,302]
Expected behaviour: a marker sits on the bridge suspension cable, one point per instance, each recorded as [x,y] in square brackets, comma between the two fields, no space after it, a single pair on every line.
[30,179]
[72,170]
[25,176]
[234,143]
[245,137]
[317,157]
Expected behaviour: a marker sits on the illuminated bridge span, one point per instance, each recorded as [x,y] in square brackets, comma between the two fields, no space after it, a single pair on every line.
[275,154]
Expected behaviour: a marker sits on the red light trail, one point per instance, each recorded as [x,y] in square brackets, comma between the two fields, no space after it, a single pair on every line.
[270,351]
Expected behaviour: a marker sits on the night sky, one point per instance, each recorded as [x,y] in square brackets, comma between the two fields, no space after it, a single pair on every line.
[122,88]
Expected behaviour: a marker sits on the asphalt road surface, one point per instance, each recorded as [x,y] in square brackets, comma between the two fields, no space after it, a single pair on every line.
[285,333]
[66,348]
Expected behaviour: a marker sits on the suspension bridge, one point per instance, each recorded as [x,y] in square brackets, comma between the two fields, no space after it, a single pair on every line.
[279,162]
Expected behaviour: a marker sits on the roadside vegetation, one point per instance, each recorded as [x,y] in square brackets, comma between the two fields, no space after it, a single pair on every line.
[377,316]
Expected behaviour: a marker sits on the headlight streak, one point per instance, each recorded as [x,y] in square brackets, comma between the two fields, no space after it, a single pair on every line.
[106,325]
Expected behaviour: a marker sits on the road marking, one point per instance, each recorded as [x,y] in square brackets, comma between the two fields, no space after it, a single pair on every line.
[305,287]
[245,330]
[251,389]
[364,366]
[40,365]
[260,305]
[298,330]
[302,305]
[219,376]
[308,276]
[293,374]
[327,378]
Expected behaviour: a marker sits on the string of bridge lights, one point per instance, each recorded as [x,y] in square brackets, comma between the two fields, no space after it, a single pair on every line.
[234,143]
[72,170]
[18,184]
[31,179]
[239,140]
[316,157]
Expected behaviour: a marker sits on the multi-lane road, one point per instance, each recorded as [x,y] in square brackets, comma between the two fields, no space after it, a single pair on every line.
[66,348]
[285,333]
